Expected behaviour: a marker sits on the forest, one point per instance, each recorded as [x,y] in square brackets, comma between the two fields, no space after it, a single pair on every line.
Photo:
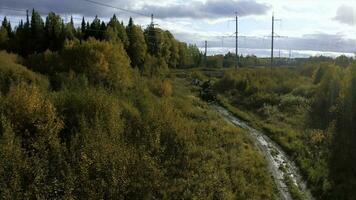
[94,113]
[98,112]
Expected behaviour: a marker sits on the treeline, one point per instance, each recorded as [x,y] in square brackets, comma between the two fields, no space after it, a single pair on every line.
[310,112]
[229,60]
[142,45]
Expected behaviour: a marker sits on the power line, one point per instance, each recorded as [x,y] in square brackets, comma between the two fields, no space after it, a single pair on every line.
[272,41]
[12,9]
[237,41]
[272,38]
[118,8]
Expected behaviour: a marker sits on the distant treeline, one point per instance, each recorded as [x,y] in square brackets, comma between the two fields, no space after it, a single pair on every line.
[150,44]
[229,60]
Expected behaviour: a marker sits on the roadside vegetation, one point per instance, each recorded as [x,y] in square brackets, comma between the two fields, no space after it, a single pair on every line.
[309,111]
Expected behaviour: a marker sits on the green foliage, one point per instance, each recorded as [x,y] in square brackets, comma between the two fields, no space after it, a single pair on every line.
[4,37]
[311,117]
[155,66]
[35,36]
[116,32]
[33,118]
[12,162]
[137,49]
[343,61]
[53,26]
[102,62]
[12,74]
[89,142]
[342,128]
[326,97]
[190,56]
[215,61]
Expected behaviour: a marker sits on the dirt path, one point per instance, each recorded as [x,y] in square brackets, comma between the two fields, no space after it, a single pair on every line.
[279,163]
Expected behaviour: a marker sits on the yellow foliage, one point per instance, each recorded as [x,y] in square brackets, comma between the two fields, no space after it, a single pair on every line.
[166,88]
[161,88]
[317,137]
[101,61]
[32,116]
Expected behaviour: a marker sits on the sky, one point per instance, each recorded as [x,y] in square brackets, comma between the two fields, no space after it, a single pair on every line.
[305,27]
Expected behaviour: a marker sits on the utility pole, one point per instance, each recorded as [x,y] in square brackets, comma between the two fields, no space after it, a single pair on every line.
[237,42]
[272,41]
[206,52]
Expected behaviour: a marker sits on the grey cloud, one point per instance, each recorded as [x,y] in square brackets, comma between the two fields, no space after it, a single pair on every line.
[193,9]
[80,7]
[346,15]
[209,10]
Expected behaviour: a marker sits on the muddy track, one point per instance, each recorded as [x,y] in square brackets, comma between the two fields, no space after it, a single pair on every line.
[279,163]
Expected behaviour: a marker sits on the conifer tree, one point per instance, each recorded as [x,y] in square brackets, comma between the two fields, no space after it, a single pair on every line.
[37,33]
[53,31]
[118,29]
[7,25]
[137,49]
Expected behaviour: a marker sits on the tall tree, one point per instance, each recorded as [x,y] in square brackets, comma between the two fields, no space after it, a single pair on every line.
[69,30]
[4,38]
[7,25]
[154,39]
[118,30]
[174,50]
[53,31]
[37,33]
[83,29]
[23,44]
[137,48]
[95,28]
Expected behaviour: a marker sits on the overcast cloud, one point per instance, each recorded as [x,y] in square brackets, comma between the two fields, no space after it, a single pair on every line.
[209,9]
[188,9]
[318,25]
[346,14]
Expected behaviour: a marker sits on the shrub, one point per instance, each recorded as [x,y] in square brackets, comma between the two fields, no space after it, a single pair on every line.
[33,117]
[47,62]
[102,62]
[161,88]
[94,107]
[12,74]
[291,103]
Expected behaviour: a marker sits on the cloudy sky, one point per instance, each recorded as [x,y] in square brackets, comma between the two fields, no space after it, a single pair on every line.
[308,26]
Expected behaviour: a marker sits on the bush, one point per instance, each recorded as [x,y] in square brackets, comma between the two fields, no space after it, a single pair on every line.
[94,107]
[12,74]
[154,66]
[47,62]
[197,75]
[32,117]
[102,62]
[290,103]
[161,88]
